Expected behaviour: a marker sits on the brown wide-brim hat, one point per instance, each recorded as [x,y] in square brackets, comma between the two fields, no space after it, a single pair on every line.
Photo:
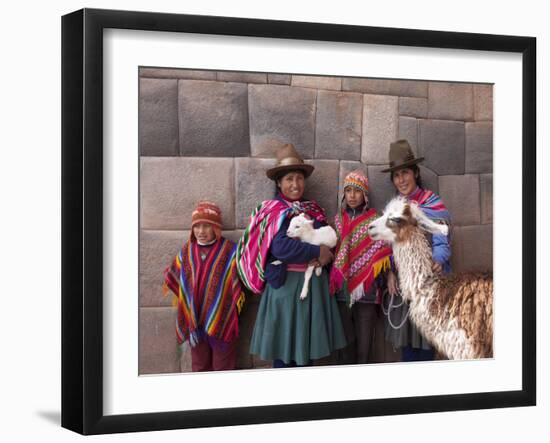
[401,156]
[289,160]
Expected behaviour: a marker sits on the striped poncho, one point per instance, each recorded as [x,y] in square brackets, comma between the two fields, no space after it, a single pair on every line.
[359,259]
[209,294]
[431,204]
[265,222]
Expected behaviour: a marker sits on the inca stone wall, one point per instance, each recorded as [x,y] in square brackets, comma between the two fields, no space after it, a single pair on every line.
[207,134]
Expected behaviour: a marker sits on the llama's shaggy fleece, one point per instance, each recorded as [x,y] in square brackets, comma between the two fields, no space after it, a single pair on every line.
[454,312]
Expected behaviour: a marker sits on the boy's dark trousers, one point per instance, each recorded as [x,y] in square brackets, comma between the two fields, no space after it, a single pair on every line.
[205,357]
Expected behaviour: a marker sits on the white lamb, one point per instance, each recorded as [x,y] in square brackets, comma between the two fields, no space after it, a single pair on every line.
[302,228]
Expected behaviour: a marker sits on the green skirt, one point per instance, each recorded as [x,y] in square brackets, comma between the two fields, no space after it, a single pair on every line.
[291,329]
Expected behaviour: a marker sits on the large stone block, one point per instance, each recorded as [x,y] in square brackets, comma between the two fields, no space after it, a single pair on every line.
[247,320]
[158,346]
[451,101]
[188,74]
[413,107]
[252,186]
[185,357]
[157,249]
[442,143]
[486,190]
[322,185]
[483,102]
[158,117]
[380,124]
[281,114]
[172,186]
[345,168]
[408,130]
[430,179]
[338,125]
[317,82]
[381,187]
[234,235]
[472,248]
[213,119]
[404,88]
[479,147]
[460,193]
[279,79]
[242,77]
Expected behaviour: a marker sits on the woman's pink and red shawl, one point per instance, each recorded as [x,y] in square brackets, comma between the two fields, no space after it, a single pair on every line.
[265,222]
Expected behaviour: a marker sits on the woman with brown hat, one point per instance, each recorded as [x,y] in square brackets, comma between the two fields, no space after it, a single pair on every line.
[288,330]
[405,176]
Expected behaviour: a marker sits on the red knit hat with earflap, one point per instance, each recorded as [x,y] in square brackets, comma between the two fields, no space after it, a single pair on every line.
[358,180]
[207,212]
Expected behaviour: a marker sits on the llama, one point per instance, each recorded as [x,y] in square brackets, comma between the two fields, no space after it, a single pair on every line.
[454,312]
[301,228]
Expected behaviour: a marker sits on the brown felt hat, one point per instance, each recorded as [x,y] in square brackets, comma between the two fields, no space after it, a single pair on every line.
[289,160]
[401,156]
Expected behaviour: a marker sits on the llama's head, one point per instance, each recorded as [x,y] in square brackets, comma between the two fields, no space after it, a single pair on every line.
[401,217]
[299,225]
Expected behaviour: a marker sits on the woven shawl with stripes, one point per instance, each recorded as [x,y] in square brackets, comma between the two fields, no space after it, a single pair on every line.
[265,222]
[209,294]
[359,259]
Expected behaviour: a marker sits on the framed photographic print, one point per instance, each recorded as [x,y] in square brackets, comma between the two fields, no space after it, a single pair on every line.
[177,125]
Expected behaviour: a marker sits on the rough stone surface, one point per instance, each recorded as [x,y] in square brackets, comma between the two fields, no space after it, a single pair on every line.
[322,185]
[158,353]
[483,102]
[404,88]
[158,117]
[451,101]
[442,143]
[185,358]
[408,129]
[430,179]
[157,250]
[281,114]
[317,82]
[345,168]
[213,118]
[252,186]
[382,189]
[413,107]
[242,77]
[460,193]
[247,319]
[234,235]
[338,125]
[472,248]
[479,147]
[188,74]
[380,122]
[279,79]
[486,190]
[171,187]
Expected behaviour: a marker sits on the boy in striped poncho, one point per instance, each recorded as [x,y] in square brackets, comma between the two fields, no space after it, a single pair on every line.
[204,279]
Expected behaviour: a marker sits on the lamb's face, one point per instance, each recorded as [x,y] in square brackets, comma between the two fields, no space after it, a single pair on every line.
[298,225]
[395,223]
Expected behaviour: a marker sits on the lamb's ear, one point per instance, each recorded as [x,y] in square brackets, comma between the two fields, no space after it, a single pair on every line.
[309,222]
[427,224]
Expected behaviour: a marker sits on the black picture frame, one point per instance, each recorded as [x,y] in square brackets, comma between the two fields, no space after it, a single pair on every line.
[82,218]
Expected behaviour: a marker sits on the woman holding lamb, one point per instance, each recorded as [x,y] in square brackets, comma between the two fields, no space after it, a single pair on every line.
[357,274]
[288,330]
[405,176]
